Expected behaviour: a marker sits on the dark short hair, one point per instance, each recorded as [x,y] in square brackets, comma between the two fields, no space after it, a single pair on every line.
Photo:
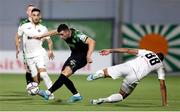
[62,27]
[36,9]
[160,55]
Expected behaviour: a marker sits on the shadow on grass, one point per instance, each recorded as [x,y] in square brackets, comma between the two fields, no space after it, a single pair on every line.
[15,99]
[133,105]
[129,105]
[59,102]
[15,96]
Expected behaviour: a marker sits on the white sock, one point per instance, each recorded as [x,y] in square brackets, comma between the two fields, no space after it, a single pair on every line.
[46,79]
[113,98]
[78,94]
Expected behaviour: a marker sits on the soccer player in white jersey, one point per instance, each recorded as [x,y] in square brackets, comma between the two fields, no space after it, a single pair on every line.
[132,71]
[18,41]
[35,54]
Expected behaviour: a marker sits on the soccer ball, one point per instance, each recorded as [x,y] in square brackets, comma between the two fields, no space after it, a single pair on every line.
[32,88]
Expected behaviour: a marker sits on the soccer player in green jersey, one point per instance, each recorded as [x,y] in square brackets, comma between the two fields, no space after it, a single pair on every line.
[81,47]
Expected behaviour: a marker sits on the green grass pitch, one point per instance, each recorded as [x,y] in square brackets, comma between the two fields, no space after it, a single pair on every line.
[146,96]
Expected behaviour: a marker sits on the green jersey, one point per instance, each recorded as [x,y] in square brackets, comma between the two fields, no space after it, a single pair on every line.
[77,42]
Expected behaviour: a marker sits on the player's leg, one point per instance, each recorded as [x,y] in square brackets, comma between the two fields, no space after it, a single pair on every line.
[69,84]
[75,63]
[41,65]
[57,84]
[34,73]
[99,74]
[60,81]
[44,75]
[113,72]
[28,73]
[110,99]
[32,67]
[47,81]
[63,79]
[32,63]
[71,65]
[128,85]
[125,91]
[28,77]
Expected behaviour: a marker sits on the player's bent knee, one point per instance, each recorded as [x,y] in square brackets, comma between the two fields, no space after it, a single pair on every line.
[67,71]
[127,87]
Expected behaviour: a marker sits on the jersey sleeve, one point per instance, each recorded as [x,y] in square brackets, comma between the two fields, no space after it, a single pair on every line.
[82,36]
[141,52]
[161,73]
[20,31]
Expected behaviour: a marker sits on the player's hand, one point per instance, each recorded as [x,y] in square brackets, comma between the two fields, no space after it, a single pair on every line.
[89,60]
[17,53]
[50,55]
[104,52]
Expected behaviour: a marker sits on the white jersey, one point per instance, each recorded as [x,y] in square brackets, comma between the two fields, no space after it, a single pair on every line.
[32,47]
[146,62]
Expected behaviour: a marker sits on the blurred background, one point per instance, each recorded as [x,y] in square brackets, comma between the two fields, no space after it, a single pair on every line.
[148,24]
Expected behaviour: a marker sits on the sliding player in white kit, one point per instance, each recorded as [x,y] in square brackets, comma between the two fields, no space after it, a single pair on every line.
[35,54]
[132,71]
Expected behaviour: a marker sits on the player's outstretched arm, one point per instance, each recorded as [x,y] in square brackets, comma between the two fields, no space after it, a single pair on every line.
[49,33]
[91,45]
[163,92]
[119,50]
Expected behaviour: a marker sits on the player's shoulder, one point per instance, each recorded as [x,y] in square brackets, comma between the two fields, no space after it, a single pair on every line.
[42,26]
[142,52]
[76,32]
[24,21]
[145,51]
[25,25]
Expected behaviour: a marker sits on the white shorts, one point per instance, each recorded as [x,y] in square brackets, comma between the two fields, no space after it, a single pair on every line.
[127,72]
[34,63]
